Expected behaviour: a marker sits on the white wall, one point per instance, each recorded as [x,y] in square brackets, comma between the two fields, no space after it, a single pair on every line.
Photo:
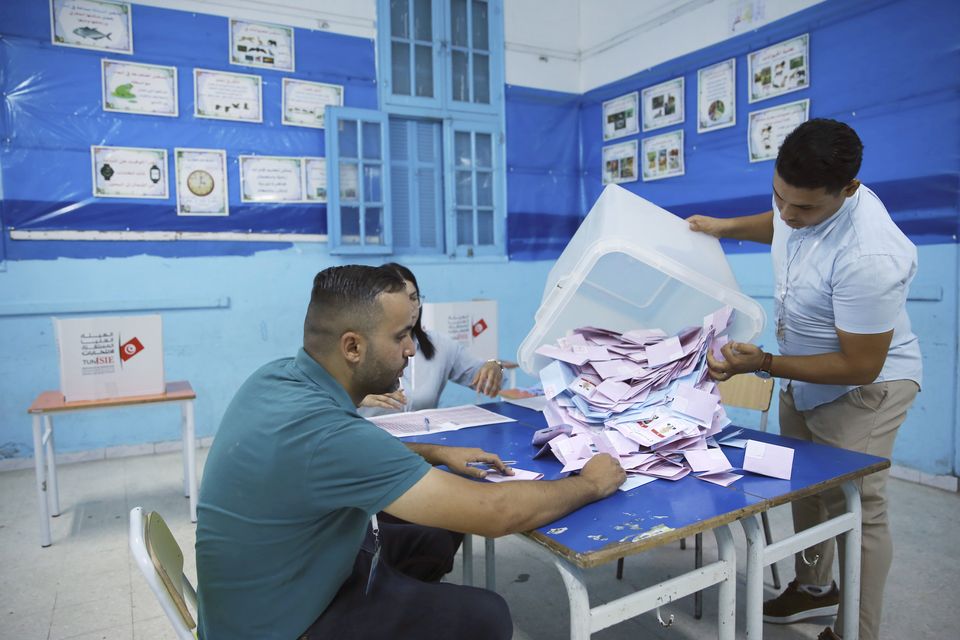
[619,38]
[350,17]
[542,44]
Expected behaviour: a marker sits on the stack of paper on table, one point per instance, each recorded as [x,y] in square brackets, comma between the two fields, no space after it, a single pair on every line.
[642,396]
[415,423]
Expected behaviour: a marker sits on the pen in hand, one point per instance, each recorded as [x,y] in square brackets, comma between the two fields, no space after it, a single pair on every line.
[489,465]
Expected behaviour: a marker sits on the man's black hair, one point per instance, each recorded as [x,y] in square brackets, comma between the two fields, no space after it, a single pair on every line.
[423,340]
[820,154]
[345,299]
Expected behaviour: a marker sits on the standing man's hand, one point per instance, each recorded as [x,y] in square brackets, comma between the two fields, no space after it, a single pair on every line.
[604,473]
[739,357]
[705,224]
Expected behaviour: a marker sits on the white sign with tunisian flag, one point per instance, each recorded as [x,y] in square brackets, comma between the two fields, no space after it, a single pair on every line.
[110,357]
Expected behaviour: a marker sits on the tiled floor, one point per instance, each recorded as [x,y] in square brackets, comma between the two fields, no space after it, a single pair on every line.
[85,586]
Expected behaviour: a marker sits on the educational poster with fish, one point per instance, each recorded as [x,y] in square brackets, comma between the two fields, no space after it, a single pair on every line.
[304,102]
[271,179]
[621,117]
[257,44]
[92,24]
[769,127]
[717,96]
[315,178]
[201,182]
[223,95]
[129,172]
[779,68]
[662,156]
[620,162]
[134,87]
[663,104]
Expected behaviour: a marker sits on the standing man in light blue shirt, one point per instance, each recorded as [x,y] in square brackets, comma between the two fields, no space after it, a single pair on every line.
[849,363]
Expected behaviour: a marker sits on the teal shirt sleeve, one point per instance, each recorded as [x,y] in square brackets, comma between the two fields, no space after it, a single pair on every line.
[361,466]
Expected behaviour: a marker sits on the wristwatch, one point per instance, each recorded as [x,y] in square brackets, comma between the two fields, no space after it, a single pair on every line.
[764,370]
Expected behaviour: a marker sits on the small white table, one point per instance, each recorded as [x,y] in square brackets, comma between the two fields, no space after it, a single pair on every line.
[50,403]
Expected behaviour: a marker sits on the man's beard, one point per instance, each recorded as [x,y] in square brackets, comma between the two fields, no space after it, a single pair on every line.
[372,377]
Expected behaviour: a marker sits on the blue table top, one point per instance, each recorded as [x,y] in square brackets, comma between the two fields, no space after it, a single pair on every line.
[815,467]
[657,513]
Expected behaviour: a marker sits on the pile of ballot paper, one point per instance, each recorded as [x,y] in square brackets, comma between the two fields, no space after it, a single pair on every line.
[642,396]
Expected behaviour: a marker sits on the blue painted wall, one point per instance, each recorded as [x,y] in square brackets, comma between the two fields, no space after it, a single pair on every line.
[229,307]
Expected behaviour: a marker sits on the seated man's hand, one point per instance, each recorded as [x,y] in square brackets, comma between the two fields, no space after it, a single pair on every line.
[489,379]
[739,357]
[456,459]
[395,400]
[605,473]
[707,225]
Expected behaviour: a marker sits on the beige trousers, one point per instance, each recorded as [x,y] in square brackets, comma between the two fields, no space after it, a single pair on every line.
[866,420]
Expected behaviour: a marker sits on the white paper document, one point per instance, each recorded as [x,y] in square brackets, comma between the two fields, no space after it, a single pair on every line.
[416,423]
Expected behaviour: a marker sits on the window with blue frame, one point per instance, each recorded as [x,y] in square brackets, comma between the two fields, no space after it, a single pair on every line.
[358,219]
[441,90]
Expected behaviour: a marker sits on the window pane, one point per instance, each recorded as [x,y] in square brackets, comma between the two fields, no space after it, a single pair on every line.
[348,182]
[371,141]
[424,70]
[465,188]
[399,18]
[422,20]
[480,27]
[481,78]
[460,77]
[485,226]
[458,23]
[462,154]
[464,226]
[348,138]
[400,65]
[349,225]
[372,184]
[484,150]
[484,189]
[373,221]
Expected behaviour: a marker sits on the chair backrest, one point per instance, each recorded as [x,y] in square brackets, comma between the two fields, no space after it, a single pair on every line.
[161,561]
[748,391]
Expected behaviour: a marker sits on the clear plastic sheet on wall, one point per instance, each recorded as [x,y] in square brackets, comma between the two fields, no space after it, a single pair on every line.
[871,66]
[52,114]
[543,172]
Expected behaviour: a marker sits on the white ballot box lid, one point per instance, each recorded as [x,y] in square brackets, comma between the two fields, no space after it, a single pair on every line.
[633,265]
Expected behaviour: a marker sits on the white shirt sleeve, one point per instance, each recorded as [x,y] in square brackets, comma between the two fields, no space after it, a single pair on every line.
[869,292]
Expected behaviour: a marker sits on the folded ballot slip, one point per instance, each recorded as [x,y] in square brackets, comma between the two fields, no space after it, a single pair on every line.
[768,459]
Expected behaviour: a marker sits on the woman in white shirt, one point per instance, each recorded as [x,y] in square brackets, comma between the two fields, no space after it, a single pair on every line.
[438,359]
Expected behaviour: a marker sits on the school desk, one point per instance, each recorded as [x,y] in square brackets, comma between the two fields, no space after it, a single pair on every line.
[51,403]
[628,523]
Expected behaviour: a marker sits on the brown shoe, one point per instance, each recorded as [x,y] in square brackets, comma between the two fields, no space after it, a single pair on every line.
[828,634]
[795,604]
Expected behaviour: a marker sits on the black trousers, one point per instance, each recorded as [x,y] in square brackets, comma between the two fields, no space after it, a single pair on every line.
[405,598]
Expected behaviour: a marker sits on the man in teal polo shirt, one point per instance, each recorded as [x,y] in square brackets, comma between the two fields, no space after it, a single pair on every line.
[284,549]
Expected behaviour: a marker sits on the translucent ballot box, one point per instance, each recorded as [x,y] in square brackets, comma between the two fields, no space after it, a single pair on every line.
[634,265]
